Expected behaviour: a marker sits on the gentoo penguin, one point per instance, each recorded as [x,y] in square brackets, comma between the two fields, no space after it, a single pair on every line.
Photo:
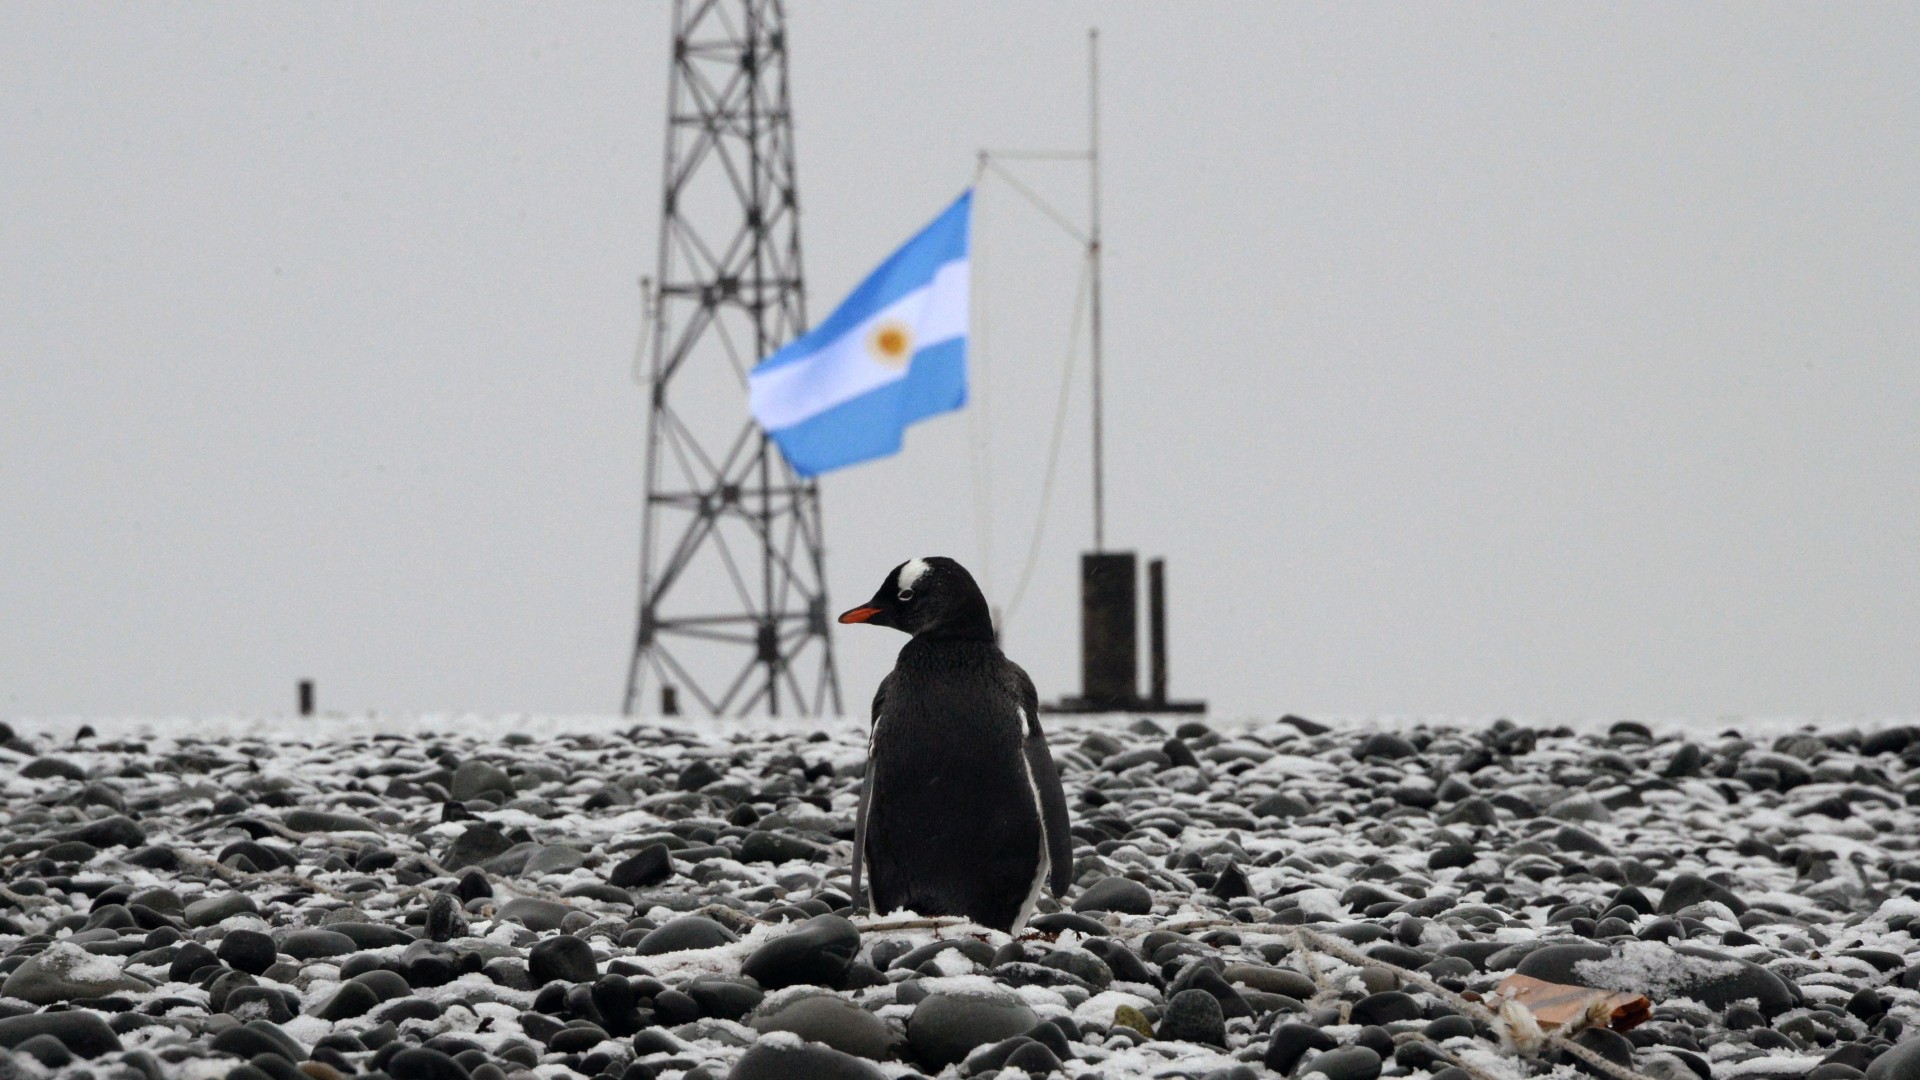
[961,812]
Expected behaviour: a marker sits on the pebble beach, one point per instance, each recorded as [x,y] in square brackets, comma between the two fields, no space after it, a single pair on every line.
[502,898]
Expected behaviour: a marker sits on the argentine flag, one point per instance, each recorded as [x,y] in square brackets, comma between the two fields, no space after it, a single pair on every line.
[893,352]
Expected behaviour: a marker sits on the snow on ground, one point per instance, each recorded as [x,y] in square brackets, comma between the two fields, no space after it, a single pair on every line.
[390,895]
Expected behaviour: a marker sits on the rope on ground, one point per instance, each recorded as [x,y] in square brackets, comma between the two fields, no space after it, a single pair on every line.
[278,877]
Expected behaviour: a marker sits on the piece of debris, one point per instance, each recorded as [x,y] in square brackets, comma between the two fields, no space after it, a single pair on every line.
[1566,1009]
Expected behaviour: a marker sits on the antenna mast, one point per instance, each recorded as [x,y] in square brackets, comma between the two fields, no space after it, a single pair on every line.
[1093,253]
[732,585]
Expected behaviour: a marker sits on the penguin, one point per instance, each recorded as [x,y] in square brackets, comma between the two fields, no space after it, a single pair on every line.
[961,811]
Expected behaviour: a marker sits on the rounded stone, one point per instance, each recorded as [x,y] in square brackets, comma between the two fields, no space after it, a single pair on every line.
[64,971]
[554,859]
[1117,894]
[788,1058]
[1203,976]
[213,910]
[316,944]
[474,779]
[651,865]
[1688,889]
[478,843]
[80,1030]
[1386,1008]
[352,999]
[302,819]
[47,1050]
[1132,1019]
[685,933]
[1384,744]
[834,1021]
[257,1037]
[1055,921]
[948,1024]
[1291,1041]
[1271,980]
[1082,965]
[577,1038]
[722,997]
[425,1063]
[116,831]
[1559,963]
[1900,1063]
[191,958]
[1345,1063]
[561,958]
[1282,805]
[1194,1016]
[817,953]
[1034,1059]
[247,950]
[47,768]
[258,1003]
[1610,1045]
[535,914]
[224,984]
[762,846]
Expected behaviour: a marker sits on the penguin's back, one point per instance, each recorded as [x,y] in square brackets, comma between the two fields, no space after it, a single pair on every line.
[954,827]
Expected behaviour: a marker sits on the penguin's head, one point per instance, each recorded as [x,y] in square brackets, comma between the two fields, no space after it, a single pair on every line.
[934,596]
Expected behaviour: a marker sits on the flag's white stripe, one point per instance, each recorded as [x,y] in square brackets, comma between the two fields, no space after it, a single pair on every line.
[845,368]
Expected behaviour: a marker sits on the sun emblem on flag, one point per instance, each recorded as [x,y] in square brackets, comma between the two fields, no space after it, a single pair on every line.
[891,343]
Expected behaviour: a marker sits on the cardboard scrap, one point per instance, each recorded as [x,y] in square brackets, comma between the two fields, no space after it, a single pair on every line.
[1567,1009]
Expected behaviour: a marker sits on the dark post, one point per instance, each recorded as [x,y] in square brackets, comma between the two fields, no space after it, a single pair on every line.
[306,697]
[1109,629]
[1157,631]
[669,700]
[1109,649]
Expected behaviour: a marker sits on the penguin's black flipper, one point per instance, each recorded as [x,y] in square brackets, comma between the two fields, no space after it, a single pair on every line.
[1053,800]
[866,798]
[1053,804]
[860,840]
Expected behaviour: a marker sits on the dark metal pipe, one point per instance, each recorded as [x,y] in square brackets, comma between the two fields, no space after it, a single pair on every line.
[1109,628]
[306,697]
[1157,631]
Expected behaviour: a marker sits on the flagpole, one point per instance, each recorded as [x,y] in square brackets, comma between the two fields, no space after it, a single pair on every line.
[1093,254]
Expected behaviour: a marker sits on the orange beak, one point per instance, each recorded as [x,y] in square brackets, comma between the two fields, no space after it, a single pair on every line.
[859,614]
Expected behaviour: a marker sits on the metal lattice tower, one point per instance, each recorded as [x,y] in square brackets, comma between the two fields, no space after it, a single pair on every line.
[732,590]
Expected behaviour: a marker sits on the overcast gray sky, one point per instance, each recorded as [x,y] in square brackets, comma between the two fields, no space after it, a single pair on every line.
[1550,360]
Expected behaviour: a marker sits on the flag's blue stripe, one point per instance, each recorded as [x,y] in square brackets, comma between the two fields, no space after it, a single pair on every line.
[871,425]
[910,268]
